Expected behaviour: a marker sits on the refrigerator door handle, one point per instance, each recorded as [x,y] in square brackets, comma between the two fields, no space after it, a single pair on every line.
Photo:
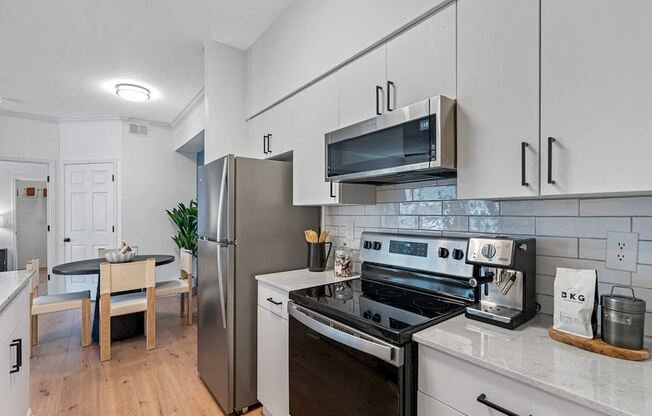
[220,214]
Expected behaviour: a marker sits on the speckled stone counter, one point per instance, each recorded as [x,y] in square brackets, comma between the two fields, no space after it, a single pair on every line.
[609,385]
[10,284]
[301,279]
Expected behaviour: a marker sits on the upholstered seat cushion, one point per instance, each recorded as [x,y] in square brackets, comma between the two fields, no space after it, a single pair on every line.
[128,303]
[171,287]
[58,303]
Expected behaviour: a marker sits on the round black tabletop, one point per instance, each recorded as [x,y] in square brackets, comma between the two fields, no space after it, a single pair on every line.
[92,266]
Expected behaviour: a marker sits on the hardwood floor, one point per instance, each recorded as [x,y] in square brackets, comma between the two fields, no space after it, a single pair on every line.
[67,379]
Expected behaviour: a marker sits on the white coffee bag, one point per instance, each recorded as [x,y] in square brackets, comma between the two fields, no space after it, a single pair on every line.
[576,302]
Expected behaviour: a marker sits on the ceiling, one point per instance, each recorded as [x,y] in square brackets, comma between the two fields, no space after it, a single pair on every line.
[62,58]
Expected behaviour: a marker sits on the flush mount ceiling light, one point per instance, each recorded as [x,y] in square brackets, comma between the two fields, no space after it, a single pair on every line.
[132,92]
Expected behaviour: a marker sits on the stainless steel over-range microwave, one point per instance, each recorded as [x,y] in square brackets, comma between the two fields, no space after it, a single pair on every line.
[408,144]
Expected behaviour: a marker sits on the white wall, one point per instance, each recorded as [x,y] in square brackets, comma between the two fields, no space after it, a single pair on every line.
[9,171]
[190,127]
[224,100]
[91,140]
[313,36]
[154,178]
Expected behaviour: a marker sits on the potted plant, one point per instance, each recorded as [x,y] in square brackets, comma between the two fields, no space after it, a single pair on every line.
[185,218]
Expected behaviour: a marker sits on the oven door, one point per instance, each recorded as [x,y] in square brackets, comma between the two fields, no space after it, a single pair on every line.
[338,370]
[399,141]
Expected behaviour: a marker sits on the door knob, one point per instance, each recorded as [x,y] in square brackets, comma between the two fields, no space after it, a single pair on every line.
[66,240]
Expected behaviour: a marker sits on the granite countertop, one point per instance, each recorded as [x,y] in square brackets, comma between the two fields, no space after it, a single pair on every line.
[10,284]
[527,354]
[301,279]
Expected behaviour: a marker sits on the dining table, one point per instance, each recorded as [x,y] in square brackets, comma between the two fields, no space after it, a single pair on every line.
[124,326]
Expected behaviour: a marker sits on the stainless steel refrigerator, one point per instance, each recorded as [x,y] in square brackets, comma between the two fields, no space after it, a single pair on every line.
[246,226]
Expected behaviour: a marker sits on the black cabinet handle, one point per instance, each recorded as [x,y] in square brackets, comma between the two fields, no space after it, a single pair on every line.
[390,85]
[18,343]
[66,240]
[332,191]
[265,144]
[524,146]
[483,399]
[269,143]
[551,140]
[271,300]
[378,89]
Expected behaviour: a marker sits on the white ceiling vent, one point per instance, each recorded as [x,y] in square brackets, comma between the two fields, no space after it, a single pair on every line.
[138,129]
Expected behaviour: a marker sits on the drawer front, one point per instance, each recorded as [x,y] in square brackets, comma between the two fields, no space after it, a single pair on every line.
[427,406]
[17,309]
[458,384]
[273,299]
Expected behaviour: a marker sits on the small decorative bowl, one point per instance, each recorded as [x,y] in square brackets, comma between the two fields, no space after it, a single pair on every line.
[118,257]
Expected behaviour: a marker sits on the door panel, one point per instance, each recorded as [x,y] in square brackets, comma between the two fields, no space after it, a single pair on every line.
[212,336]
[596,66]
[89,216]
[497,98]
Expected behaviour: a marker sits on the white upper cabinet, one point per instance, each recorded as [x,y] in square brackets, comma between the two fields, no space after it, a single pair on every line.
[361,86]
[498,98]
[272,132]
[421,62]
[596,96]
[256,137]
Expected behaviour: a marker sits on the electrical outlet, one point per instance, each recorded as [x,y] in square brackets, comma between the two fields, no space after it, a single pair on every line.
[622,251]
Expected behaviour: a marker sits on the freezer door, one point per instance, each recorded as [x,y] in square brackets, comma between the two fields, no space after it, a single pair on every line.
[213,200]
[214,333]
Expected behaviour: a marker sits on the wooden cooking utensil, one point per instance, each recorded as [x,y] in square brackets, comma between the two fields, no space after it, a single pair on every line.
[313,237]
[323,236]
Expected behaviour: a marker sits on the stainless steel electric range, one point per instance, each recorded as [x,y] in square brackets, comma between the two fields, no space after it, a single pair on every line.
[351,351]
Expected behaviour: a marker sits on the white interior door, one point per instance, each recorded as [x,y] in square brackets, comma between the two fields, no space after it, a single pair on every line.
[89,216]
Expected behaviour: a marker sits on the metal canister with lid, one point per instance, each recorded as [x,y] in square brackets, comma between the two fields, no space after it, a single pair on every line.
[623,320]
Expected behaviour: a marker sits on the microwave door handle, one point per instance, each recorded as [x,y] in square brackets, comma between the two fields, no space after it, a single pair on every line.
[351,338]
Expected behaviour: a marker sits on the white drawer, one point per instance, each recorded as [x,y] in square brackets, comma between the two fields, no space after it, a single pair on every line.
[458,384]
[17,309]
[273,299]
[427,406]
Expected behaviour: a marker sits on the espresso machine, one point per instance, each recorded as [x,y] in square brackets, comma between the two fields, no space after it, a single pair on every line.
[507,276]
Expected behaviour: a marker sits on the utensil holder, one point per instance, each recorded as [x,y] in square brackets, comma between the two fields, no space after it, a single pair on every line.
[318,256]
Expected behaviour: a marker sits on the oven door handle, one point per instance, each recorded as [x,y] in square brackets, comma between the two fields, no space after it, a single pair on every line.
[346,335]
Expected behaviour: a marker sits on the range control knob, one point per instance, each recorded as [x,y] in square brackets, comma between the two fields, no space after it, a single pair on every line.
[375,318]
[488,250]
[443,252]
[458,254]
[367,245]
[377,245]
[366,315]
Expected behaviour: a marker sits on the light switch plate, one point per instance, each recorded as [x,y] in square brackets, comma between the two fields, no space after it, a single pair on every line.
[622,251]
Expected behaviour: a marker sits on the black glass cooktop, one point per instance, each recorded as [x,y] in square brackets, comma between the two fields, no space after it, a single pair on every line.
[387,311]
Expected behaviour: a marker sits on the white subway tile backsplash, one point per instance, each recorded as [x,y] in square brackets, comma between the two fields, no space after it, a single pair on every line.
[557,246]
[420,208]
[351,210]
[394,195]
[545,284]
[642,226]
[541,208]
[399,222]
[330,220]
[381,209]
[444,223]
[645,252]
[471,207]
[642,277]
[580,227]
[546,303]
[605,207]
[365,220]
[593,249]
[434,193]
[502,225]
[548,266]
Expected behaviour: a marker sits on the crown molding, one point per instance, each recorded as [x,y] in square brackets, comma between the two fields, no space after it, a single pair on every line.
[190,108]
[83,118]
[29,116]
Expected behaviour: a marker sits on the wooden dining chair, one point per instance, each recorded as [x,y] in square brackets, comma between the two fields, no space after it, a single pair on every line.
[181,286]
[40,305]
[123,277]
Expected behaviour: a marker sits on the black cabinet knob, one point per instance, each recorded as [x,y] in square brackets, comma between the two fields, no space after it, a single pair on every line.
[443,252]
[377,245]
[458,254]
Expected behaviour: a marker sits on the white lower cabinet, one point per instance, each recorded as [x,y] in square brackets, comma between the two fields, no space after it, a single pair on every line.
[14,355]
[450,386]
[272,355]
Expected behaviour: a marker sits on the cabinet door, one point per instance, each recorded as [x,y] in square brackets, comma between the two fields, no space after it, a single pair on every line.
[497,98]
[421,62]
[19,388]
[357,83]
[596,79]
[256,145]
[279,126]
[273,361]
[316,115]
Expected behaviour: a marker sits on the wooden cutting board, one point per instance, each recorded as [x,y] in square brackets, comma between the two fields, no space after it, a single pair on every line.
[598,346]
